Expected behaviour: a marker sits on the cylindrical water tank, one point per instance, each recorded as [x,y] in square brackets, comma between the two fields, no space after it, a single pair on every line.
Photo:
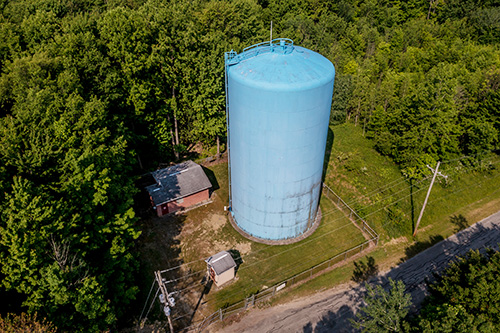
[279,99]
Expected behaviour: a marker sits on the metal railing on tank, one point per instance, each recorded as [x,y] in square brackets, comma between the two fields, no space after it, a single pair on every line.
[285,45]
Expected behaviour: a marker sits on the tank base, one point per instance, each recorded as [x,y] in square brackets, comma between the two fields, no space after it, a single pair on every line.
[287,241]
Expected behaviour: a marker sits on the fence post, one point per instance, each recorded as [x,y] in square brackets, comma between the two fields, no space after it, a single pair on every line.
[253,299]
[274,290]
[220,314]
[345,256]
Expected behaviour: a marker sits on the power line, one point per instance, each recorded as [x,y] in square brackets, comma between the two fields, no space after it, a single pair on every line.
[147,299]
[374,192]
[310,240]
[151,306]
[323,214]
[385,224]
[315,238]
[294,267]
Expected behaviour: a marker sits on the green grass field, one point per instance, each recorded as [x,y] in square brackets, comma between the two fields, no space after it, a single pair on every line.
[375,188]
[267,265]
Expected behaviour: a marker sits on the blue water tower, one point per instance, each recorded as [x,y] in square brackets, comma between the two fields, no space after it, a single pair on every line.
[278,108]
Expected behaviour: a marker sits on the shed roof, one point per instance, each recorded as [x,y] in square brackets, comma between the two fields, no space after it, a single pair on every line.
[221,262]
[177,181]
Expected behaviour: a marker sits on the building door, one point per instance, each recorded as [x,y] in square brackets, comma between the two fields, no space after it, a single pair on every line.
[212,274]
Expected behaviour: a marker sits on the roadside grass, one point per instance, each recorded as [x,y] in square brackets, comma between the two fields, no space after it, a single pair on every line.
[375,188]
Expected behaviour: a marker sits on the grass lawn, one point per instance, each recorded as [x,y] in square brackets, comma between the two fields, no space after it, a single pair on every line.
[267,265]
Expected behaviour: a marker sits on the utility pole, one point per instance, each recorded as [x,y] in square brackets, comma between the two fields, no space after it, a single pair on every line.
[428,193]
[165,298]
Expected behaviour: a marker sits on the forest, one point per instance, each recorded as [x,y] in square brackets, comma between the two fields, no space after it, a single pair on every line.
[94,93]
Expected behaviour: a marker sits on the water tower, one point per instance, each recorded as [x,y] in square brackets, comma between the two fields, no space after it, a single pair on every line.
[278,109]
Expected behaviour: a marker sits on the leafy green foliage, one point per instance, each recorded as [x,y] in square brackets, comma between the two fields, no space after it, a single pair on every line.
[385,311]
[465,297]
[66,224]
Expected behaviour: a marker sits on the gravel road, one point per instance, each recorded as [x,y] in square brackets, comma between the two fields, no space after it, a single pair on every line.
[328,311]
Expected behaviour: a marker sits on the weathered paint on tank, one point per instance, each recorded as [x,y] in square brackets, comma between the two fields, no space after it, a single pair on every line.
[279,98]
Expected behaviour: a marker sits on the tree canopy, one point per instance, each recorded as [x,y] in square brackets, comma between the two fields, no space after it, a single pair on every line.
[464,297]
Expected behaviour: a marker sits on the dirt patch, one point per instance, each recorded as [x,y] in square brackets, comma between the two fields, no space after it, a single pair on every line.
[396,241]
[243,248]
[218,246]
[484,210]
[426,228]
[215,222]
[196,148]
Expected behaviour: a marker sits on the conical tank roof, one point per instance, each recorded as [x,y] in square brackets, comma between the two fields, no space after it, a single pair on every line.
[282,66]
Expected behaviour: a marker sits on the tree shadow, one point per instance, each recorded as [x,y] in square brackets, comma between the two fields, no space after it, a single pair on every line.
[420,246]
[142,201]
[237,259]
[328,152]
[159,249]
[363,271]
[460,222]
[332,322]
[12,301]
[416,273]
[211,176]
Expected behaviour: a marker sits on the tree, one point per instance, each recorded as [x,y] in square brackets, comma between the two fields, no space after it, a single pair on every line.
[66,222]
[385,311]
[25,323]
[465,297]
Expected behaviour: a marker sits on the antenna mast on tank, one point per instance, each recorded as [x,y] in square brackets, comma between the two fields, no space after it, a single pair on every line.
[271,39]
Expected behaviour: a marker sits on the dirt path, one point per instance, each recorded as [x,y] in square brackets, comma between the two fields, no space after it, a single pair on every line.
[329,310]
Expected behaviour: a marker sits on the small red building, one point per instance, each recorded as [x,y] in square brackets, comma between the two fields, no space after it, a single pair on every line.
[178,187]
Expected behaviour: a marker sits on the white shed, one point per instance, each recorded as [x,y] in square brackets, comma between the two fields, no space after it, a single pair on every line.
[221,267]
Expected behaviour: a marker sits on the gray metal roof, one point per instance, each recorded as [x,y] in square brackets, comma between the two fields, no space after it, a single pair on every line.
[177,181]
[221,262]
